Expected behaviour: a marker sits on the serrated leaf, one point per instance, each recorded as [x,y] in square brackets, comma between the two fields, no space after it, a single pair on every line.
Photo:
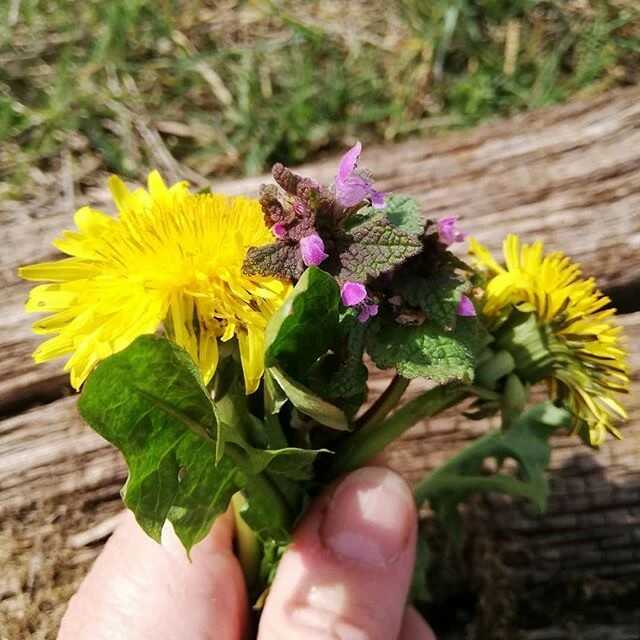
[526,441]
[437,295]
[311,404]
[277,260]
[404,212]
[305,326]
[373,248]
[149,401]
[427,351]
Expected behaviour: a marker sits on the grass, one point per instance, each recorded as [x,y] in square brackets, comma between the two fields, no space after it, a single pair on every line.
[205,88]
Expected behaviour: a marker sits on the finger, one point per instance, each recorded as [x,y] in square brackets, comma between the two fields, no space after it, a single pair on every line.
[414,627]
[347,573]
[139,589]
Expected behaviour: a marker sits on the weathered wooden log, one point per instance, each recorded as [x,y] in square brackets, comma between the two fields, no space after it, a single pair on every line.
[568,175]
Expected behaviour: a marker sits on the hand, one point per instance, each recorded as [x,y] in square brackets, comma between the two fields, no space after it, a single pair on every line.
[345,577]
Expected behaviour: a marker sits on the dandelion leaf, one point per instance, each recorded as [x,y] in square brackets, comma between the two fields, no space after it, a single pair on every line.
[149,401]
[526,441]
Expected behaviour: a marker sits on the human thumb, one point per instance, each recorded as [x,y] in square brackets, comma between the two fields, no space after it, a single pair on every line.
[347,573]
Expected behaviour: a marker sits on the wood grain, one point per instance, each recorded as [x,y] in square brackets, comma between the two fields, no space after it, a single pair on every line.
[567,175]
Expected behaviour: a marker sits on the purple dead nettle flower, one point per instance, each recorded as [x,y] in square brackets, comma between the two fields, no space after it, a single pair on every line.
[279,230]
[367,311]
[312,249]
[352,187]
[466,308]
[449,232]
[354,294]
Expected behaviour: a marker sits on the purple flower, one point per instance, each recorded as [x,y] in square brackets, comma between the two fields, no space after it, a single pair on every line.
[352,293]
[312,249]
[448,230]
[367,311]
[279,230]
[466,308]
[353,187]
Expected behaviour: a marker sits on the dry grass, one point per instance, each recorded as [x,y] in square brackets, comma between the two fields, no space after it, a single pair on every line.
[199,89]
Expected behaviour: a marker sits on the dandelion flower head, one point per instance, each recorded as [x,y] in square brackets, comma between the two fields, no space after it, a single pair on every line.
[170,258]
[588,363]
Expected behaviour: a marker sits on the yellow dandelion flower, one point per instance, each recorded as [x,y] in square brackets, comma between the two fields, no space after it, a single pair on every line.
[584,362]
[169,258]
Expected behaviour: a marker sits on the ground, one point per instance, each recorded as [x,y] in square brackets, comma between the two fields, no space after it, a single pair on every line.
[198,89]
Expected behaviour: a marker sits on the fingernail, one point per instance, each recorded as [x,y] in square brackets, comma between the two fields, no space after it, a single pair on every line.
[369,517]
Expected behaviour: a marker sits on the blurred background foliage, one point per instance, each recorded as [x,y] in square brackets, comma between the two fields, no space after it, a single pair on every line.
[205,88]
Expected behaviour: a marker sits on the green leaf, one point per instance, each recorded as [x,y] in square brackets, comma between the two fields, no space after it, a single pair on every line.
[340,375]
[274,397]
[527,442]
[237,425]
[149,401]
[311,404]
[264,515]
[404,212]
[427,351]
[373,248]
[305,326]
[419,591]
[437,295]
[271,556]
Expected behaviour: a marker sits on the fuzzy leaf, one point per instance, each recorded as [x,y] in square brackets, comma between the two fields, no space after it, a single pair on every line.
[526,441]
[373,248]
[404,212]
[278,260]
[427,351]
[304,328]
[149,401]
[437,295]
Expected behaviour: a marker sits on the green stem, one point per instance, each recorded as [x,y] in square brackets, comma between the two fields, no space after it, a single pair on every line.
[432,485]
[261,487]
[248,546]
[364,444]
[387,401]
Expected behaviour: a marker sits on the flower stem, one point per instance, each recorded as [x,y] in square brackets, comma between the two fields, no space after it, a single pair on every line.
[387,401]
[262,488]
[364,444]
[248,546]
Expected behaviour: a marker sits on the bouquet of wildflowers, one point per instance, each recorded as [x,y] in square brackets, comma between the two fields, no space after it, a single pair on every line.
[223,344]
